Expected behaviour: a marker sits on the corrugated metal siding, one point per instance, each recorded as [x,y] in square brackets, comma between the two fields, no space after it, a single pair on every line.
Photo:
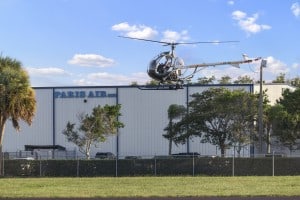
[40,133]
[144,113]
[68,109]
[145,116]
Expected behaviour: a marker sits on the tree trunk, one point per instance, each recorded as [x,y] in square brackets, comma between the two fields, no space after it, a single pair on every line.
[223,150]
[87,154]
[87,149]
[2,127]
[170,146]
[268,141]
[238,150]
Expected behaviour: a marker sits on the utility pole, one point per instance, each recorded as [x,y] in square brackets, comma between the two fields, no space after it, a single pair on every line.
[263,64]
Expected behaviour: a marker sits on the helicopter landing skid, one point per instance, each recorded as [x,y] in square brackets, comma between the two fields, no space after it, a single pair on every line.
[161,87]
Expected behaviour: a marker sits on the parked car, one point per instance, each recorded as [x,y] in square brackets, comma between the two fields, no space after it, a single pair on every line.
[186,155]
[162,157]
[23,158]
[132,157]
[105,155]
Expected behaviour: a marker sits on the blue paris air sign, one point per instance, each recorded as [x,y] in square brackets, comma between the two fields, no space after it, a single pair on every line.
[83,94]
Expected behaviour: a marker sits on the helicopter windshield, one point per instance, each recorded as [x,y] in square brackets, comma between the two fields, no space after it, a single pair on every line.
[160,67]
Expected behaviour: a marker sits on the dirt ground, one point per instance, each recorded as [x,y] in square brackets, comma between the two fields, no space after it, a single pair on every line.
[167,198]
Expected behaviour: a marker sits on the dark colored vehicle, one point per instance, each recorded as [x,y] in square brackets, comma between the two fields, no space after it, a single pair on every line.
[105,155]
[186,155]
[133,157]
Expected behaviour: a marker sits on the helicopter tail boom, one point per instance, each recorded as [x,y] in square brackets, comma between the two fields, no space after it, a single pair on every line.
[232,63]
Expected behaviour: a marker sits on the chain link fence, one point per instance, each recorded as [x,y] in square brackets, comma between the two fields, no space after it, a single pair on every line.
[69,165]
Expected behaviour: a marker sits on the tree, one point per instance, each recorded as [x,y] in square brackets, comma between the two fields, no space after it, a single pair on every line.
[280,78]
[174,112]
[17,98]
[225,80]
[268,116]
[290,100]
[244,112]
[220,117]
[211,119]
[285,126]
[295,82]
[206,81]
[152,82]
[94,128]
[286,120]
[244,80]
[134,83]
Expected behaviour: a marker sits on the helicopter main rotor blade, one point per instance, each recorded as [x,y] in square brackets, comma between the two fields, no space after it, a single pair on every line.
[209,42]
[177,43]
[166,43]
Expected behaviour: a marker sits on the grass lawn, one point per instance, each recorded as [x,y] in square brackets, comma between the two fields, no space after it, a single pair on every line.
[150,187]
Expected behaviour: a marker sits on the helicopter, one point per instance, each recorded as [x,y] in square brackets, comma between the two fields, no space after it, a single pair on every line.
[167,68]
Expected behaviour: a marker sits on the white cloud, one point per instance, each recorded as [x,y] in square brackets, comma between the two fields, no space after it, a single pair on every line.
[104,78]
[296,65]
[123,27]
[295,8]
[136,31]
[275,66]
[49,71]
[248,24]
[230,2]
[238,15]
[89,60]
[220,72]
[173,36]
[146,32]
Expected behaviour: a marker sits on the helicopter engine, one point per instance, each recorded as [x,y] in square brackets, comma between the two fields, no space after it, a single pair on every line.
[164,67]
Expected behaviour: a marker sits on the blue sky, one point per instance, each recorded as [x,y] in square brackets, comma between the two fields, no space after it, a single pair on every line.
[75,42]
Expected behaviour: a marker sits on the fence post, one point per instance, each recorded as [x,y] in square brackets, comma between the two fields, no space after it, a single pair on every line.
[193,164]
[154,165]
[116,166]
[40,167]
[3,159]
[273,164]
[233,156]
[77,168]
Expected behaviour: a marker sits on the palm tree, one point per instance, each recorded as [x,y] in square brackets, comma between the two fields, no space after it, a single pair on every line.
[17,98]
[174,112]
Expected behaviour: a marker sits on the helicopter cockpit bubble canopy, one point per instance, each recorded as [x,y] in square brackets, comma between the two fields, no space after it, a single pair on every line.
[161,66]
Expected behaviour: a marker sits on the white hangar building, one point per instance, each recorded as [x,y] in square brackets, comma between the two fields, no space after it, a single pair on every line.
[144,113]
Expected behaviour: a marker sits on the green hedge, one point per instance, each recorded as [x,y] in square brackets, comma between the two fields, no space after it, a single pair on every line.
[153,167]
[21,168]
